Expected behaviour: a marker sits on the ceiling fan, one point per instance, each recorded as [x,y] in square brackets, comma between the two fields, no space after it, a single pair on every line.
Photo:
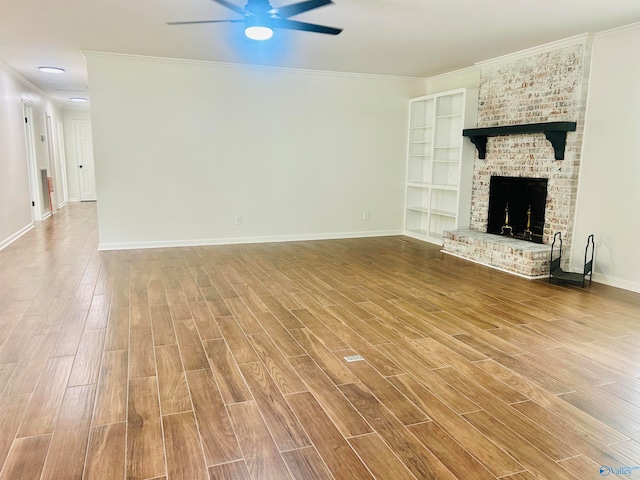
[260,18]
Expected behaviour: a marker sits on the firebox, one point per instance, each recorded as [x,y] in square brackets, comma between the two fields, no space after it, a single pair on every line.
[516,207]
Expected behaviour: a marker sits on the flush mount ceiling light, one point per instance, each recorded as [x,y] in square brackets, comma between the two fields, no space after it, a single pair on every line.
[51,69]
[79,99]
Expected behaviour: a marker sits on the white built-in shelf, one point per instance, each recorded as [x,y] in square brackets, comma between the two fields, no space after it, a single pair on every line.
[418,209]
[443,213]
[440,164]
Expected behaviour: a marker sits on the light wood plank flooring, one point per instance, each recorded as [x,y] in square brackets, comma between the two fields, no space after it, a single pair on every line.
[228,362]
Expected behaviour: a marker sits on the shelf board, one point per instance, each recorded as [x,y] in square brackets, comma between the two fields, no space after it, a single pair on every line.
[446,161]
[447,147]
[443,213]
[418,209]
[418,185]
[450,115]
[556,133]
[451,188]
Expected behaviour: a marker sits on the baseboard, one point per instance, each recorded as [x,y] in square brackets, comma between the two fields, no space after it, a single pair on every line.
[598,278]
[8,241]
[616,282]
[244,240]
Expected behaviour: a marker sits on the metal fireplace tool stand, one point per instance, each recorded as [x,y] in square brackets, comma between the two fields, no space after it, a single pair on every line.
[556,273]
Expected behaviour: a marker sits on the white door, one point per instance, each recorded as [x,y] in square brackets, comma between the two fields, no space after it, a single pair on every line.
[84,151]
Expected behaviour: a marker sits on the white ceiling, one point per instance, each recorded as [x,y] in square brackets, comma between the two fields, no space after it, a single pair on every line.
[416,38]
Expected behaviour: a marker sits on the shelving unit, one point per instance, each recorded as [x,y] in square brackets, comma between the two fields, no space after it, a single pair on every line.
[440,164]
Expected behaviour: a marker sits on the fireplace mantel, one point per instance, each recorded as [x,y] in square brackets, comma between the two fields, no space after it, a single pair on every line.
[556,133]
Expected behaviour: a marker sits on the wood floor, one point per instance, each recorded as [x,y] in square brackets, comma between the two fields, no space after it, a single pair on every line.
[229,363]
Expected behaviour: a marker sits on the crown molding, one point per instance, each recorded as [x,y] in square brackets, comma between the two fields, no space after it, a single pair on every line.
[454,73]
[619,30]
[24,82]
[584,38]
[210,63]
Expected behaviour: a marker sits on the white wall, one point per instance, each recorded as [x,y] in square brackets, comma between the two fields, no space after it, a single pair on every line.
[15,198]
[463,78]
[608,202]
[73,177]
[181,148]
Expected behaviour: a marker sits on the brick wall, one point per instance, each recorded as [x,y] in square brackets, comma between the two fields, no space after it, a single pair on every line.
[546,87]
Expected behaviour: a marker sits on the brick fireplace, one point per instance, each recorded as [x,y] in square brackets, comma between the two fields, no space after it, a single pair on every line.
[545,85]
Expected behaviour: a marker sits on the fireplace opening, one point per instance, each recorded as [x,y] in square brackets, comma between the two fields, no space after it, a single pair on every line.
[516,207]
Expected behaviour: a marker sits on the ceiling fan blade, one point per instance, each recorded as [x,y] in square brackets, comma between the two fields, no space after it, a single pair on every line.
[307,27]
[205,21]
[233,6]
[296,8]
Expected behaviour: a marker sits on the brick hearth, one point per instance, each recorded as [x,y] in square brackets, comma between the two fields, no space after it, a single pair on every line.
[519,257]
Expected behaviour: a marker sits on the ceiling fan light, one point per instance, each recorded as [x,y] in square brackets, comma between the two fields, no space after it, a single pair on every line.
[258,32]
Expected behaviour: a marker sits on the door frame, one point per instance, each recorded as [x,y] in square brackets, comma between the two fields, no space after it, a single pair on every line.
[32,166]
[63,162]
[52,161]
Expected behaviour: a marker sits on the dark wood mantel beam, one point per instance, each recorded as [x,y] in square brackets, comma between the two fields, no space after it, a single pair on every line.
[555,132]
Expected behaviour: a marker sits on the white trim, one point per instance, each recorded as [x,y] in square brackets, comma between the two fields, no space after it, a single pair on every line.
[540,277]
[25,83]
[584,38]
[243,240]
[32,162]
[52,161]
[63,161]
[205,63]
[618,30]
[452,91]
[597,278]
[460,71]
[73,200]
[7,241]
[419,236]
[616,282]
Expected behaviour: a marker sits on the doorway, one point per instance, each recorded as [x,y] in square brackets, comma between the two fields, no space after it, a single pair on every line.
[54,166]
[32,167]
[63,164]
[84,154]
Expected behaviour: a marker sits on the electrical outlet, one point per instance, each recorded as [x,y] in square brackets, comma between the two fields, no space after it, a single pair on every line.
[238,220]
[365,215]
